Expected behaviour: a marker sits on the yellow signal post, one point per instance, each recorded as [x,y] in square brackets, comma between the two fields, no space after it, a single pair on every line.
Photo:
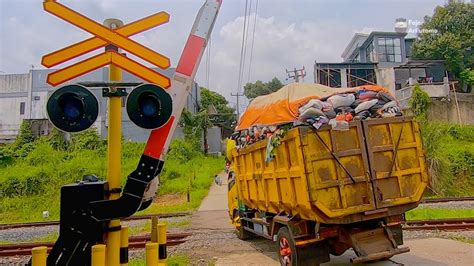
[114,153]
[124,246]
[162,239]
[38,257]
[98,255]
[151,254]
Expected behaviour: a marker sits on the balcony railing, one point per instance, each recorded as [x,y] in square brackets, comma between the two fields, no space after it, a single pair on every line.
[434,90]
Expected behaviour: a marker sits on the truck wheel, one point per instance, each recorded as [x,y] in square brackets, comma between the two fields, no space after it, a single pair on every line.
[243,234]
[289,254]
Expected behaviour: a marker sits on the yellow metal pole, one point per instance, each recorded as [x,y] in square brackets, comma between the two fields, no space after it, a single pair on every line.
[124,246]
[38,257]
[154,229]
[114,153]
[151,253]
[98,255]
[162,254]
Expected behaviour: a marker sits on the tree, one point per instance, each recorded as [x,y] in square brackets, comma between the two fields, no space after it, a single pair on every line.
[449,35]
[253,90]
[225,116]
[194,125]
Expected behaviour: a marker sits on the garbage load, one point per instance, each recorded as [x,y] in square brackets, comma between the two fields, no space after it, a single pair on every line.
[270,116]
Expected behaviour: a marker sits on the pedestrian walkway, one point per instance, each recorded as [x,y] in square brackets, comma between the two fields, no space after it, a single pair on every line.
[213,214]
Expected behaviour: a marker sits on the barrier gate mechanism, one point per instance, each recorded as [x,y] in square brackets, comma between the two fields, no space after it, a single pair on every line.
[86,210]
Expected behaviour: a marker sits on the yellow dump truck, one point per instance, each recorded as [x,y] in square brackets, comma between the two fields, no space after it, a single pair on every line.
[327,191]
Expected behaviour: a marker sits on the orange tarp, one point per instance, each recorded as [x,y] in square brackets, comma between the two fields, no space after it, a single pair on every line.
[282,106]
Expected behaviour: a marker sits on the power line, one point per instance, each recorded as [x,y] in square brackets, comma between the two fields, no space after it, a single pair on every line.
[253,41]
[237,105]
[242,56]
[242,49]
[246,41]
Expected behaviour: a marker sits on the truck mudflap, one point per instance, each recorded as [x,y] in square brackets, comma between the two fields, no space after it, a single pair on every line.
[375,244]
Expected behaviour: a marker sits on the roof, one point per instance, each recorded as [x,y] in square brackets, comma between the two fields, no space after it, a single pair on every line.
[355,65]
[355,38]
[420,63]
[382,33]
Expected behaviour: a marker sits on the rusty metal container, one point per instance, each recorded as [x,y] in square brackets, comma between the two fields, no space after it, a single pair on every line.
[375,169]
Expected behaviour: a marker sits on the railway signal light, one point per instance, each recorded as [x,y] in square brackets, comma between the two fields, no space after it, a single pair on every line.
[72,108]
[149,106]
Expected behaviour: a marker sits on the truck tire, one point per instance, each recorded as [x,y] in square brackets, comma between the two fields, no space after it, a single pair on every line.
[289,254]
[243,234]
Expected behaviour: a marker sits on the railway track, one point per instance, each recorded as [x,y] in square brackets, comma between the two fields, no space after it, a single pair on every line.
[135,242]
[440,200]
[454,224]
[131,218]
[178,214]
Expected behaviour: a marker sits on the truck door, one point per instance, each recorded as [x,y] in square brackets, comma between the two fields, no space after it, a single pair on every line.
[396,160]
[337,170]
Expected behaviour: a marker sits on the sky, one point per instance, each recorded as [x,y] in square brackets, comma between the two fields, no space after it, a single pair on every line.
[289,33]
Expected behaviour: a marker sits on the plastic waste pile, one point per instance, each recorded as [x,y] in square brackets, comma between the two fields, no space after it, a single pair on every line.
[336,110]
[339,109]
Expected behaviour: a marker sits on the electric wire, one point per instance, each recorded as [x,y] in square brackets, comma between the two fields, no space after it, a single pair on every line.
[242,49]
[246,43]
[253,40]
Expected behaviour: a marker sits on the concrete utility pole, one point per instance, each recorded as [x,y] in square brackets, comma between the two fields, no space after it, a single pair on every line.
[296,74]
[238,107]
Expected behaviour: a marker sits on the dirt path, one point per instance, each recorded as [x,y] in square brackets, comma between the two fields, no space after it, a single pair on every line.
[213,241]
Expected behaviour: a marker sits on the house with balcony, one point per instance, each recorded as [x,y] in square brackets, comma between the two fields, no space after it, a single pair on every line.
[384,58]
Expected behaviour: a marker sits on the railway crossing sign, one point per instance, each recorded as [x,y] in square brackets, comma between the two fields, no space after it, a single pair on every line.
[103,37]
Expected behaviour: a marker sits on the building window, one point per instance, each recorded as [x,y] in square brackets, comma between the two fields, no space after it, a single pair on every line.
[370,55]
[359,77]
[330,77]
[389,50]
[22,108]
[356,58]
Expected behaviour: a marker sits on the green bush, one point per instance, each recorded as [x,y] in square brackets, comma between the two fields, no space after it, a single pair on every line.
[450,157]
[31,174]
[419,102]
[182,150]
[88,139]
[25,135]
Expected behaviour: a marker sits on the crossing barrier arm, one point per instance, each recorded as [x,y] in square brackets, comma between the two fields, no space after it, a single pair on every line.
[141,184]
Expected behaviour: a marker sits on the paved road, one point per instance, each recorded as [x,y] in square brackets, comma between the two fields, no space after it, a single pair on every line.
[213,216]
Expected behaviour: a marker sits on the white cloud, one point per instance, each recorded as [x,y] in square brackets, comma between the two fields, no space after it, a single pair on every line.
[278,45]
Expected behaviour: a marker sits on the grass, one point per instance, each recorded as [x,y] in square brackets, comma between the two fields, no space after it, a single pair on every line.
[423,213]
[32,174]
[174,260]
[146,227]
[450,156]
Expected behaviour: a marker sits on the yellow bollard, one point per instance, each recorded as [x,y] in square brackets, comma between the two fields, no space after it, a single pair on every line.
[98,255]
[38,257]
[124,246]
[151,252]
[162,243]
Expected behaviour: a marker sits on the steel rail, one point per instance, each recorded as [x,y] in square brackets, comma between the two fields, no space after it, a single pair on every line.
[135,242]
[131,218]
